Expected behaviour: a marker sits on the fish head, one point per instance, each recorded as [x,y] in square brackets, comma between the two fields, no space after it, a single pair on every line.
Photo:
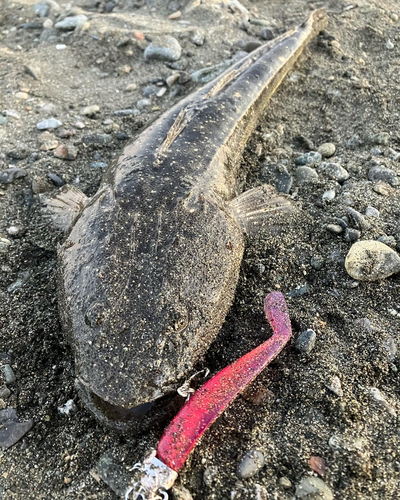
[141,299]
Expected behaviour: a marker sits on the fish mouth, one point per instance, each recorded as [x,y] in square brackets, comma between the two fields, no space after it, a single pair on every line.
[137,418]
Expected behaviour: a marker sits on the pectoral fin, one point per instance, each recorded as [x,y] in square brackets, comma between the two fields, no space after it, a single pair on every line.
[65,205]
[255,207]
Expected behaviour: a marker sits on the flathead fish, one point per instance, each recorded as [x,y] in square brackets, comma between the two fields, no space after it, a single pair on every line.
[149,264]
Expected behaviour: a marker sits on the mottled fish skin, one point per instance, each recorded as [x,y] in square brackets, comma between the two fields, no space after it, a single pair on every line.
[148,270]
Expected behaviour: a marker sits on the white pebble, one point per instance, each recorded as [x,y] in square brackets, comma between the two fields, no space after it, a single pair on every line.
[389,45]
[371,212]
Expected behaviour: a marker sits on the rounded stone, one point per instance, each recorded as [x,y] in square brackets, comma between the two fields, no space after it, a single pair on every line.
[252,462]
[327,149]
[166,49]
[371,260]
[306,175]
[306,341]
[313,488]
[334,171]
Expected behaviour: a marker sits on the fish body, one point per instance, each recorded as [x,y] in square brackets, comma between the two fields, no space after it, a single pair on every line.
[149,265]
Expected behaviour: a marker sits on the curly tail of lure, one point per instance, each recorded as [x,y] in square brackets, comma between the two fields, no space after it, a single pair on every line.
[204,407]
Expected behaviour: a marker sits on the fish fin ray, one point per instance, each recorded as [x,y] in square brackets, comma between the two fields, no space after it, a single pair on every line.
[253,208]
[65,205]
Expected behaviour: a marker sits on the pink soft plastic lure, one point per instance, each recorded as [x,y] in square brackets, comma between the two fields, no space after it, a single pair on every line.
[207,403]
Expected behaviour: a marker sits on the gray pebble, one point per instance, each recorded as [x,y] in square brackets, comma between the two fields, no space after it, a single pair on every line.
[197,38]
[49,123]
[317,263]
[390,241]
[42,9]
[150,90]
[391,348]
[211,475]
[3,120]
[313,488]
[90,110]
[277,175]
[371,260]
[334,228]
[5,393]
[298,291]
[306,175]
[306,341]
[375,151]
[381,173]
[251,45]
[165,49]
[329,195]
[382,139]
[327,149]
[179,492]
[351,235]
[371,212]
[23,277]
[11,429]
[357,220]
[251,463]
[364,324]
[55,179]
[334,171]
[8,374]
[113,474]
[285,483]
[19,153]
[11,174]
[4,245]
[308,158]
[266,33]
[99,164]
[143,103]
[184,78]
[70,23]
[101,139]
[127,112]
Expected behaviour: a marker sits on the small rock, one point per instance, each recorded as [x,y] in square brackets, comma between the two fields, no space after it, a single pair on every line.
[334,228]
[48,141]
[389,45]
[3,120]
[211,475]
[318,465]
[308,158]
[335,443]
[47,25]
[381,400]
[375,151]
[99,164]
[40,185]
[55,179]
[317,263]
[252,462]
[8,374]
[390,346]
[70,23]
[382,188]
[113,474]
[381,173]
[329,195]
[150,90]
[22,96]
[23,277]
[49,123]
[298,291]
[5,392]
[351,234]
[101,139]
[382,139]
[327,149]
[285,483]
[66,152]
[394,17]
[313,488]
[266,33]
[334,171]
[371,260]
[306,341]
[175,15]
[127,112]
[42,9]
[197,38]
[390,241]
[90,110]
[61,46]
[131,87]
[305,175]
[11,174]
[4,245]
[335,386]
[277,175]
[19,153]
[357,220]
[371,212]
[143,103]
[12,113]
[69,407]
[250,46]
[165,49]
[179,492]
[11,429]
